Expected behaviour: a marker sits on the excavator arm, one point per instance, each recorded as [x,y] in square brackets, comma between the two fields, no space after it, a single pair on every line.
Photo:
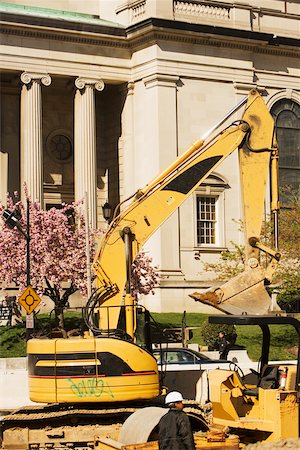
[253,135]
[258,158]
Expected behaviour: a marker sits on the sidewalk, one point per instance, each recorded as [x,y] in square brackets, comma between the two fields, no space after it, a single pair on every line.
[13,384]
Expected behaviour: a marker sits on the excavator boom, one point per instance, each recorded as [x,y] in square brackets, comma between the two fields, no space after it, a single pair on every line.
[253,135]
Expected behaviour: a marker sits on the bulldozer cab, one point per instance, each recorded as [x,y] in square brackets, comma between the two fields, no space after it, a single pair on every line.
[261,402]
[264,323]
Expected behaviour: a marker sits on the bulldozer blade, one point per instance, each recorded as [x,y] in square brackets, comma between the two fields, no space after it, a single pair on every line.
[243,294]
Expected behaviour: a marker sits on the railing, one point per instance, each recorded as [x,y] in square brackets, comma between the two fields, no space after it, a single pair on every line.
[138,11]
[201,9]
[254,16]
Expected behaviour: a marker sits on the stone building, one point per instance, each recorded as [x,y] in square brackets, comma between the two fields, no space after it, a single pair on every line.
[99,96]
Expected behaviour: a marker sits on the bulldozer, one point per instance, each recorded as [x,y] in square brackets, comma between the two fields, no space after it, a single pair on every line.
[262,406]
[107,375]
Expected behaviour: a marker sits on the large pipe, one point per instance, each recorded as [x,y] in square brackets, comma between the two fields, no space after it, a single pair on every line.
[275,195]
[129,300]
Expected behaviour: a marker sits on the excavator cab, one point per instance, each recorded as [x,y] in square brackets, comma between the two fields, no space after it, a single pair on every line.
[263,403]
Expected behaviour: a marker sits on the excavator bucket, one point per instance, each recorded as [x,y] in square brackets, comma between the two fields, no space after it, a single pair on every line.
[243,294]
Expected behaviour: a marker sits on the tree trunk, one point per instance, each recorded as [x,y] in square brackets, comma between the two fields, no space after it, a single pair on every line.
[61,323]
[60,304]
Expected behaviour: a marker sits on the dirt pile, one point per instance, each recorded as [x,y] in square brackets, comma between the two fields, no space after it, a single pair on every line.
[283,443]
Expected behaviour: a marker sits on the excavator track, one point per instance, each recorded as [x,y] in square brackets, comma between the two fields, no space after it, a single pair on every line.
[60,426]
[29,414]
[63,427]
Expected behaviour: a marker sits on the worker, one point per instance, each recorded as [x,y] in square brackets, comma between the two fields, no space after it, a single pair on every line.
[223,346]
[175,432]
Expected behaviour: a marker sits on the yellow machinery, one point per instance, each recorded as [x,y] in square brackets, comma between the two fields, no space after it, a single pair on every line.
[110,356]
[107,366]
[265,404]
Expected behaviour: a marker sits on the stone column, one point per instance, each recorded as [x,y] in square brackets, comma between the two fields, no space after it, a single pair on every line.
[85,162]
[161,138]
[31,133]
[3,177]
[126,144]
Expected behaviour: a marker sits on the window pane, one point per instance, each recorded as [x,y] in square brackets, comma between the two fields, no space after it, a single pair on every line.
[288,143]
[206,220]
[187,357]
[286,114]
[286,119]
[290,177]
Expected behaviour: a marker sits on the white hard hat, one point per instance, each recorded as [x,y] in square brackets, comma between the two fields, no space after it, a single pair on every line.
[173,397]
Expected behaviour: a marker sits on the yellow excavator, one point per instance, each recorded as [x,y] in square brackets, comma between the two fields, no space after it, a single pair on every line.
[107,367]
[110,357]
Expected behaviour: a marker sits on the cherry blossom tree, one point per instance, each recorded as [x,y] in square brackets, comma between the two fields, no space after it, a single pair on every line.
[144,276]
[57,254]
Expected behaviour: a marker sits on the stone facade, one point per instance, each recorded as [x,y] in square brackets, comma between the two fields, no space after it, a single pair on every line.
[101,96]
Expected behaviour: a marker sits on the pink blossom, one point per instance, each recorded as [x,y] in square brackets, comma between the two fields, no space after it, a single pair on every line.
[57,252]
[57,247]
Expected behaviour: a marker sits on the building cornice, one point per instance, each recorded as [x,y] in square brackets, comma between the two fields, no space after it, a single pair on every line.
[152,31]
[65,35]
[62,24]
[199,34]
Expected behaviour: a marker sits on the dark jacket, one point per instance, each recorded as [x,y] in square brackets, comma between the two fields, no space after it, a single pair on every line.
[223,348]
[175,431]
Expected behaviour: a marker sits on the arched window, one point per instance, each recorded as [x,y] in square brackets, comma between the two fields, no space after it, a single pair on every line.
[286,114]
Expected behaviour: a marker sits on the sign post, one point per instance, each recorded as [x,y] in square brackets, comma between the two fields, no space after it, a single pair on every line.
[29,321]
[29,300]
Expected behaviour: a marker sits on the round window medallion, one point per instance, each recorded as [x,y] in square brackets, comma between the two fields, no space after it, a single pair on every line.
[59,147]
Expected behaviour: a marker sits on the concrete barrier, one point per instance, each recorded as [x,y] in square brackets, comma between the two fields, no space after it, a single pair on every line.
[14,391]
[13,364]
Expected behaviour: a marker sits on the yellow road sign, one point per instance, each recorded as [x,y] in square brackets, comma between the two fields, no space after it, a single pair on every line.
[29,300]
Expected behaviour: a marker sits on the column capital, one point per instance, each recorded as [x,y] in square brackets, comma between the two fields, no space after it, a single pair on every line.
[245,88]
[127,88]
[28,77]
[161,80]
[82,82]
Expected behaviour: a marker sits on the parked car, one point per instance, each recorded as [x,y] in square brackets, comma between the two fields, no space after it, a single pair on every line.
[186,370]
[184,356]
